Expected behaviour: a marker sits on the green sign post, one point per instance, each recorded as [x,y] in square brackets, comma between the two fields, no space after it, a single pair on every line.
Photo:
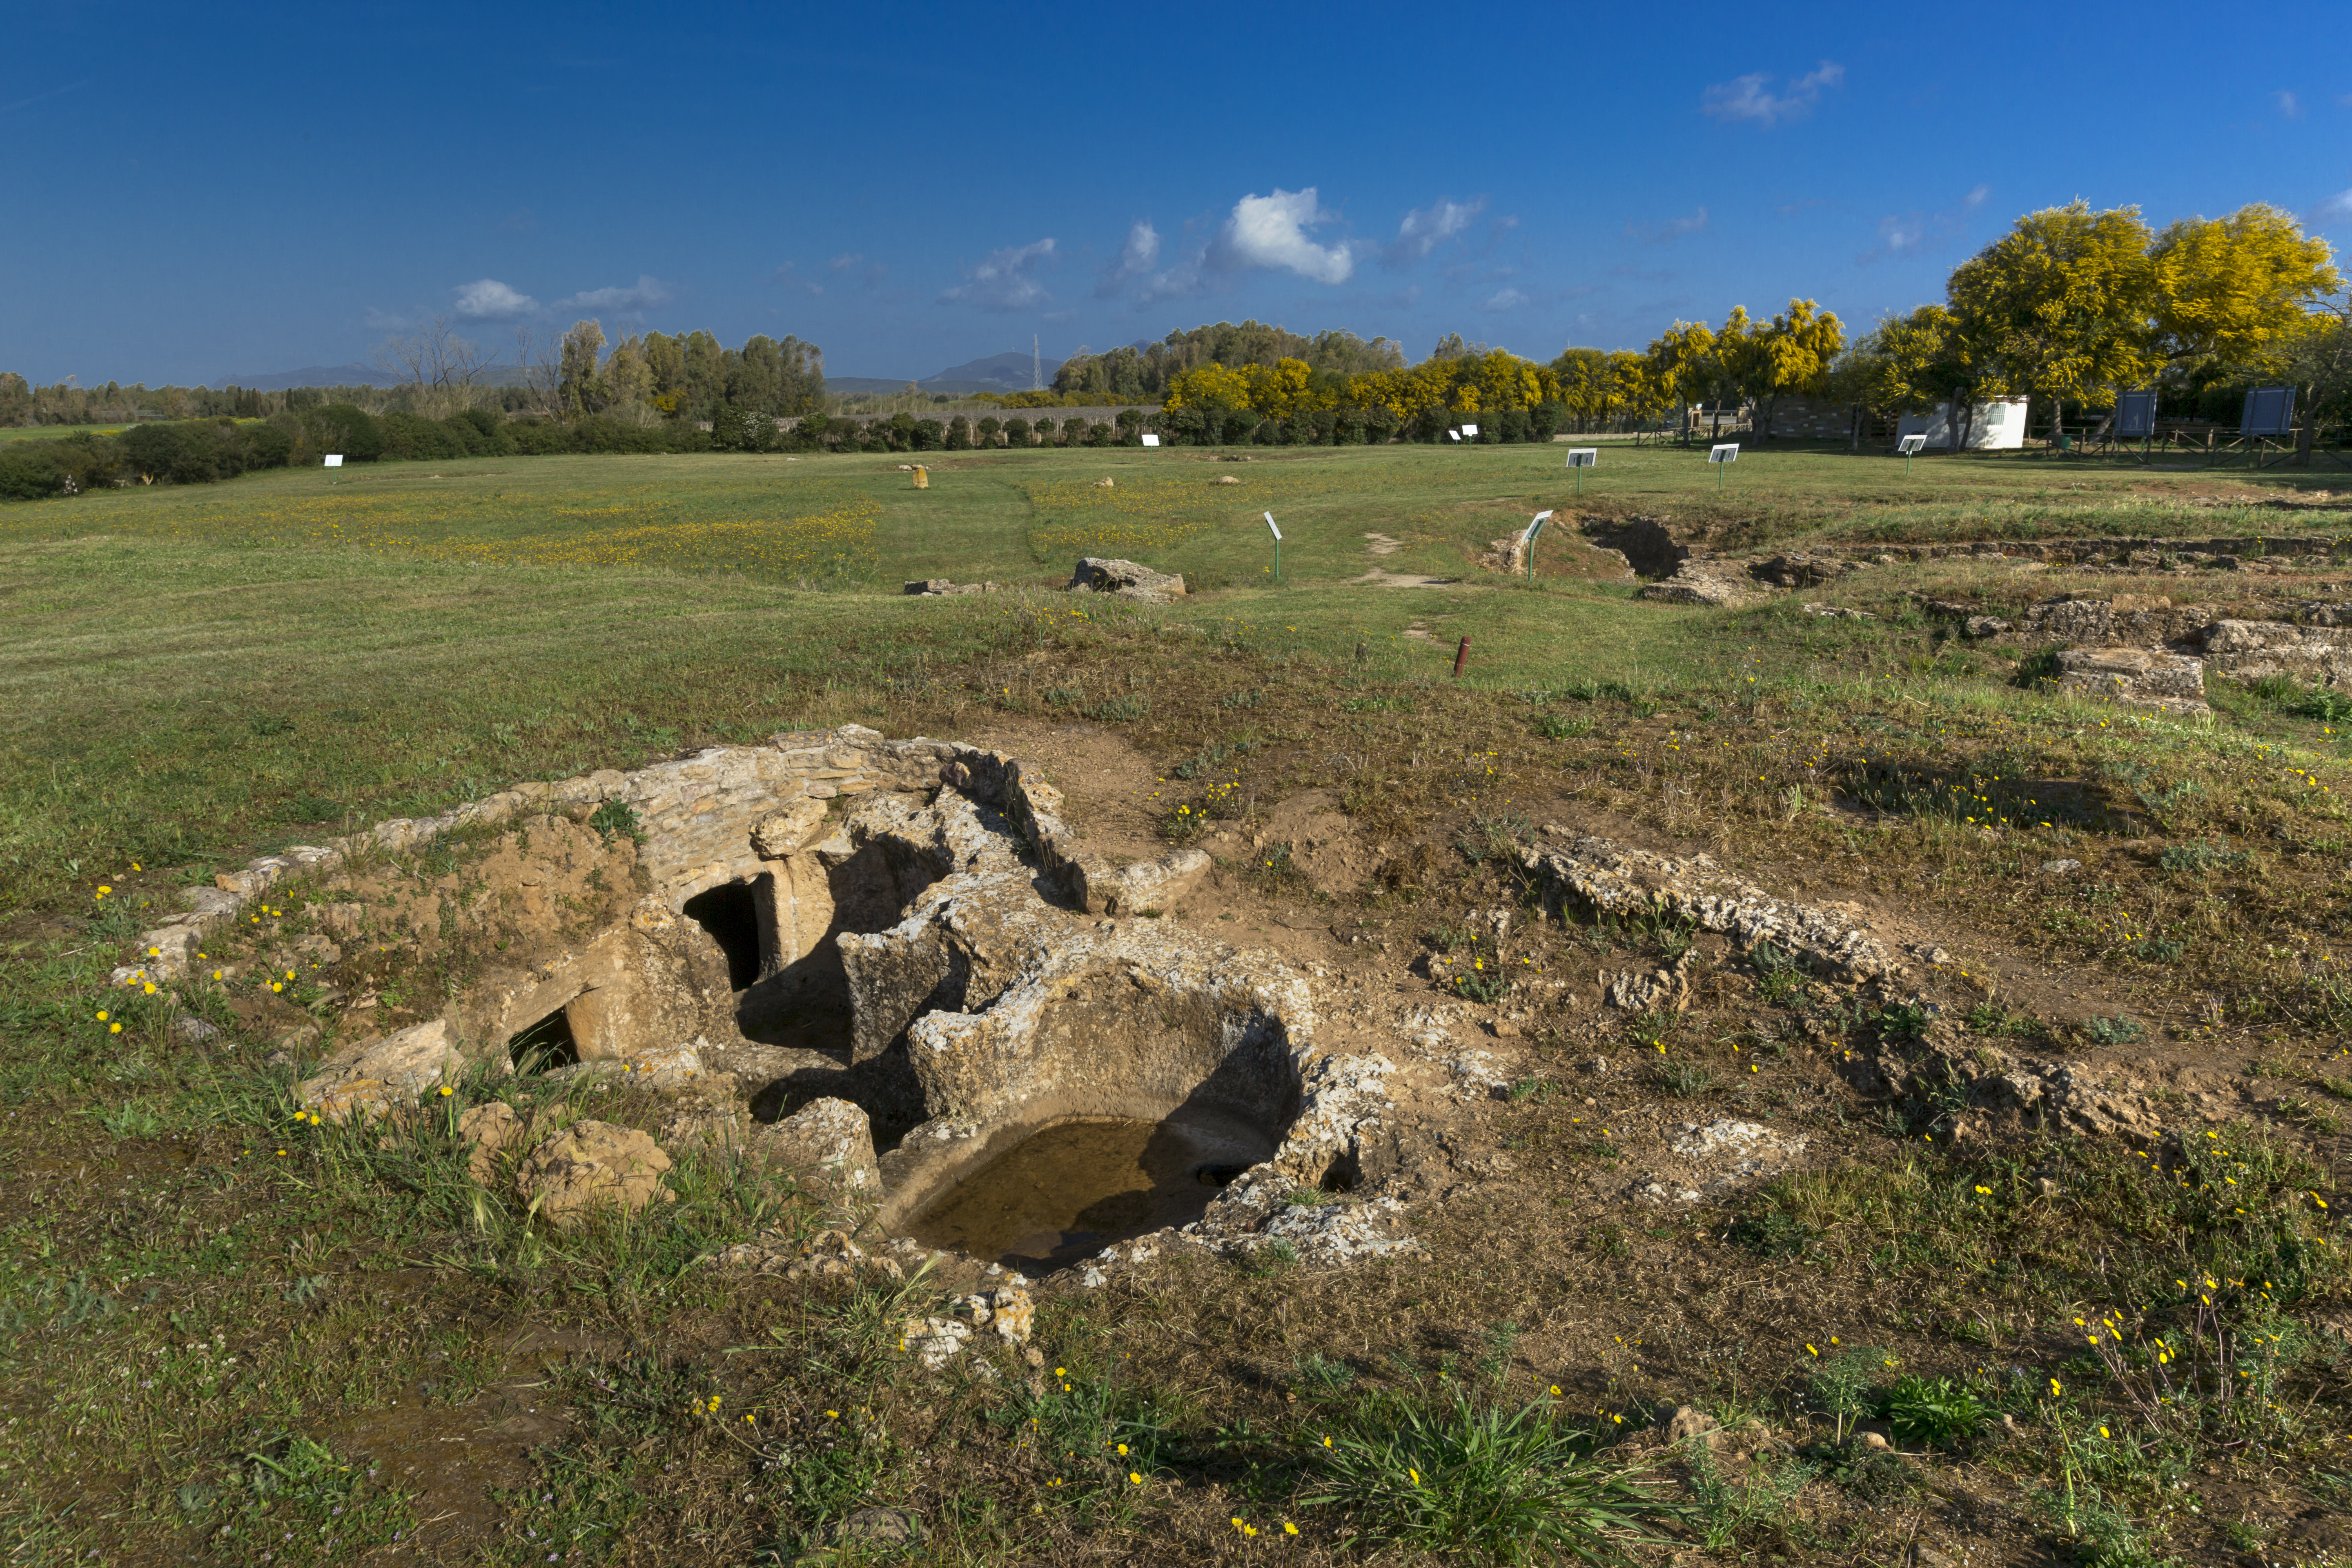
[1722,457]
[1270,528]
[1580,458]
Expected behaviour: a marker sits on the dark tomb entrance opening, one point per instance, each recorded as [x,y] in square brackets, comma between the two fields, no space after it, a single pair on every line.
[730,914]
[545,1045]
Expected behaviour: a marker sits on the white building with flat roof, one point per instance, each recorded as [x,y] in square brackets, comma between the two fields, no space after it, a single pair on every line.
[1996,425]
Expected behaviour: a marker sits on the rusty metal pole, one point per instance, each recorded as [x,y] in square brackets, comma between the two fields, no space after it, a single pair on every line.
[1461,658]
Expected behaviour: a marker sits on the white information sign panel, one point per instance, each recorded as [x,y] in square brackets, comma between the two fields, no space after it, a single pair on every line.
[1583,456]
[1912,445]
[1469,429]
[1149,439]
[334,460]
[1726,453]
[1272,529]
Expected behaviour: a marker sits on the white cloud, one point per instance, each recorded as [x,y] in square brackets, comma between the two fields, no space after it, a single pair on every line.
[488,299]
[1750,98]
[643,295]
[2336,209]
[1426,228]
[2288,103]
[789,276]
[1178,282]
[1271,232]
[1899,236]
[869,273]
[1668,232]
[1505,300]
[1006,280]
[1136,257]
[1903,234]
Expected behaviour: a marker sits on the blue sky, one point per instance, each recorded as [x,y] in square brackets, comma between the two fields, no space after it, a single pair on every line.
[194,192]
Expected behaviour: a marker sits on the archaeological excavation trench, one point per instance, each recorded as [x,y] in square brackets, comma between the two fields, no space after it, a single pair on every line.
[886,965]
[889,969]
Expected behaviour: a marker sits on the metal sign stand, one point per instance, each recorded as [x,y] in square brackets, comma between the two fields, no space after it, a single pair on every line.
[1270,528]
[1722,456]
[1910,446]
[1527,548]
[1580,458]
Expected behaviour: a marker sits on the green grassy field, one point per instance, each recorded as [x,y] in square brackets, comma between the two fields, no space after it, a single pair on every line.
[190,674]
[53,432]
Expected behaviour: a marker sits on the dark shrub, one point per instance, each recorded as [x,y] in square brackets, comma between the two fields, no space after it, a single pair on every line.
[30,470]
[354,432]
[538,437]
[413,437]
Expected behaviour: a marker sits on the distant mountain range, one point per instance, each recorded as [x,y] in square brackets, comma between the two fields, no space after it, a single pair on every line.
[310,375]
[353,375]
[997,372]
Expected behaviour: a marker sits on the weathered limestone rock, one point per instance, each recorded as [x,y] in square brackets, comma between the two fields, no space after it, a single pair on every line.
[375,1075]
[491,1130]
[1798,569]
[2252,650]
[1128,579]
[829,1144]
[793,827]
[2123,620]
[1709,1160]
[592,1167]
[2141,677]
[649,981]
[1145,885]
[1008,1310]
[1706,580]
[888,1529]
[1617,880]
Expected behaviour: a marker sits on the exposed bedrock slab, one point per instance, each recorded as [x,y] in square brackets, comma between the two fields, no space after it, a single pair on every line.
[2252,650]
[2141,677]
[1610,878]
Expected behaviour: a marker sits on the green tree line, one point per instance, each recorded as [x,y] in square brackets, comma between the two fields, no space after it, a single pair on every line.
[2073,305]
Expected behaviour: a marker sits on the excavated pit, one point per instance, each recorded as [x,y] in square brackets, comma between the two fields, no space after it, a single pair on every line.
[927,996]
[1064,1194]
